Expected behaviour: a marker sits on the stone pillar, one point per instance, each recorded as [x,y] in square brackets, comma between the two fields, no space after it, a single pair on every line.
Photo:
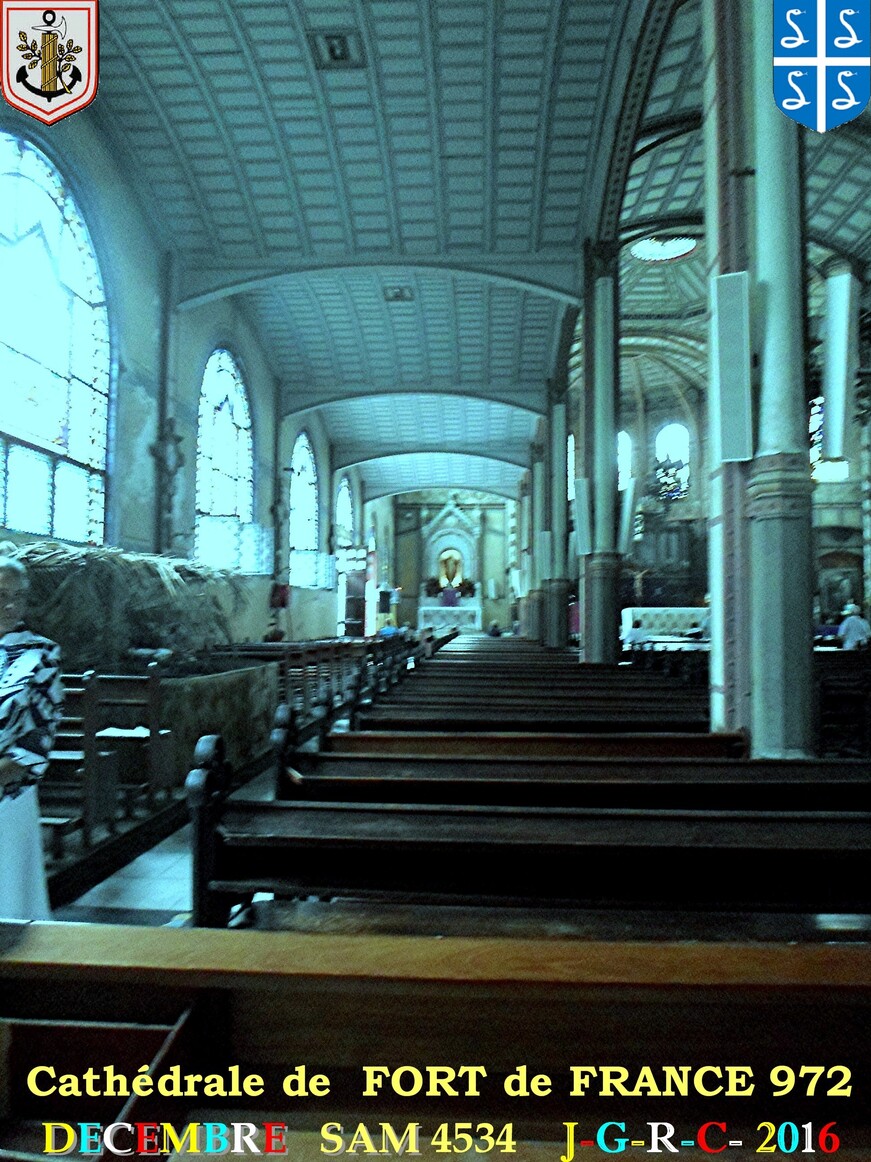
[840,357]
[779,492]
[728,170]
[523,552]
[603,564]
[556,630]
[535,597]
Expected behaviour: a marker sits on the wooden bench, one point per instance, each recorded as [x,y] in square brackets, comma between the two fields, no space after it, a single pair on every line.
[131,718]
[521,780]
[465,744]
[273,1001]
[474,688]
[129,722]
[606,718]
[80,789]
[694,858]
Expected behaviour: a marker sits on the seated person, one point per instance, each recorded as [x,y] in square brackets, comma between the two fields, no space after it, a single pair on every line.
[30,709]
[636,636]
[854,631]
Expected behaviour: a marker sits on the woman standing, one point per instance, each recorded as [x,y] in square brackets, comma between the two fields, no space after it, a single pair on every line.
[30,708]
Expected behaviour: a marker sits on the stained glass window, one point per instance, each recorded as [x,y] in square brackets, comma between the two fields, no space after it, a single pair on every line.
[54,352]
[225,467]
[344,515]
[303,520]
[344,525]
[672,451]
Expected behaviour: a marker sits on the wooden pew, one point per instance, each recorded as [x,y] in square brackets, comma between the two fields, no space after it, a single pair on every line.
[80,789]
[662,783]
[481,688]
[843,701]
[321,681]
[466,745]
[606,718]
[698,858]
[132,725]
[270,1002]
[128,721]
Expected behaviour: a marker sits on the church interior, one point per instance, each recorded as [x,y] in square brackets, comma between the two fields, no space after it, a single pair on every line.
[444,461]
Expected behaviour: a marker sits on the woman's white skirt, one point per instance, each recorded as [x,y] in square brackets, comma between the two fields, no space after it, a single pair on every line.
[23,894]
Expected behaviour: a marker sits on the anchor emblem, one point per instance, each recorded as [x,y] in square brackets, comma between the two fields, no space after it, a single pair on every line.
[54,57]
[50,56]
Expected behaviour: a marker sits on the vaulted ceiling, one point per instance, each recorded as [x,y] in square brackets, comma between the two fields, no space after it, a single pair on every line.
[396,193]
[398,211]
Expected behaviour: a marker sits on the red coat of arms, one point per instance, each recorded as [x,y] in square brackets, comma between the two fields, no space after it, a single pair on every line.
[50,57]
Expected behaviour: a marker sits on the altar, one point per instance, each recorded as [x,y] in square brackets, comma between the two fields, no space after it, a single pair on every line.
[466,615]
[449,597]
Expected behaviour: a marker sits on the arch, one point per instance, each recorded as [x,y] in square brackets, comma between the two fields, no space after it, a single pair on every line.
[54,354]
[304,514]
[672,451]
[225,465]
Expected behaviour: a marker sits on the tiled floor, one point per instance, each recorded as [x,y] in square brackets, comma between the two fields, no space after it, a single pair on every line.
[154,890]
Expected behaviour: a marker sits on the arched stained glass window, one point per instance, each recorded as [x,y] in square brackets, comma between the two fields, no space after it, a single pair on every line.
[570,467]
[303,520]
[672,450]
[624,460]
[54,355]
[344,526]
[225,466]
[344,515]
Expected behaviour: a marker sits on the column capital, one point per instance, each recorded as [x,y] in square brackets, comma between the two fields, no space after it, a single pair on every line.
[602,258]
[557,390]
[537,447]
[780,486]
[841,264]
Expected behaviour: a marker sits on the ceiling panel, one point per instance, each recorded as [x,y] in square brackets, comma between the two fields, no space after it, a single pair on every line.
[405,473]
[325,329]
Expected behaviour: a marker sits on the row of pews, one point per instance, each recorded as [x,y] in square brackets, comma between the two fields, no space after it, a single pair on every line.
[558,812]
[413,825]
[113,759]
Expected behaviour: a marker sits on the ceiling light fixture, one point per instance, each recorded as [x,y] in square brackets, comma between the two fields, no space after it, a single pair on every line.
[664,249]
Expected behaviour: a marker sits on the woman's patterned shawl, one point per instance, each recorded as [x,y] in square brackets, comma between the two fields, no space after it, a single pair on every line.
[31,696]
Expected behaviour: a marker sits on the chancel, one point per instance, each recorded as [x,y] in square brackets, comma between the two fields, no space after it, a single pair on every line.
[331,337]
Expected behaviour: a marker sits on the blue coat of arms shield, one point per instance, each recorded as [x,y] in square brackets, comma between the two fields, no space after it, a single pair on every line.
[822,60]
